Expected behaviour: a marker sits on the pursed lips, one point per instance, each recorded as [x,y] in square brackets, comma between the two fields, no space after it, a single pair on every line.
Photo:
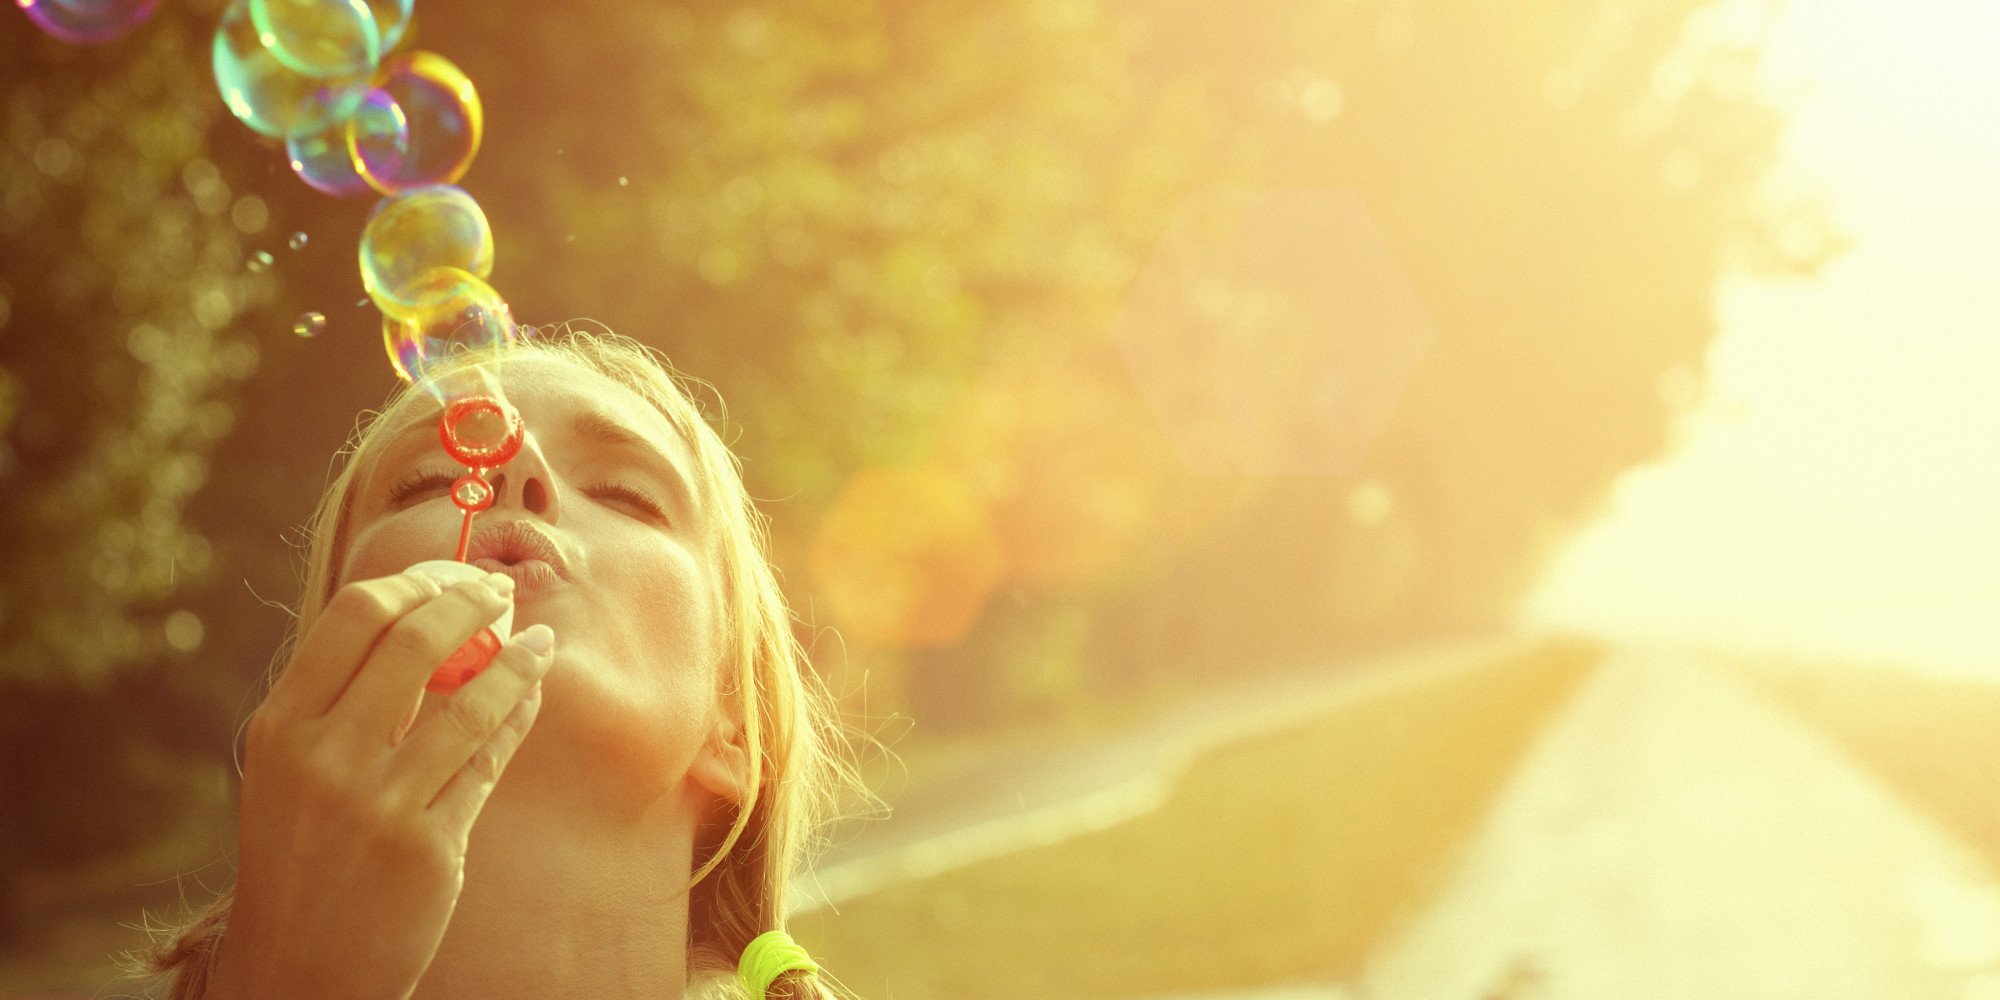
[521,551]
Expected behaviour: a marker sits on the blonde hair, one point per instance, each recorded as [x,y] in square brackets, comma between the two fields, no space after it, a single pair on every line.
[796,743]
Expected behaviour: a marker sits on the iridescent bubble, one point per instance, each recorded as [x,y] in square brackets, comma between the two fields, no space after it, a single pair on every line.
[324,159]
[298,240]
[455,311]
[443,117]
[310,324]
[259,261]
[270,96]
[87,22]
[391,17]
[326,38]
[411,233]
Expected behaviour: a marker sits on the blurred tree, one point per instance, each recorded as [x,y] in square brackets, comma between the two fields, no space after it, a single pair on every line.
[1563,184]
[122,280]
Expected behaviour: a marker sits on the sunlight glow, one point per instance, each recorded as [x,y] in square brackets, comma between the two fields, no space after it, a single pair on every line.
[1836,492]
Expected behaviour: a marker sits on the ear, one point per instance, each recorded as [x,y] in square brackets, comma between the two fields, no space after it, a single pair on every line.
[722,765]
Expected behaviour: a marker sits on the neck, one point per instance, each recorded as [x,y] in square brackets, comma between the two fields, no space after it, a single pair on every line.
[566,898]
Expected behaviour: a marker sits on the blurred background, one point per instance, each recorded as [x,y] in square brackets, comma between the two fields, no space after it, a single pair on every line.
[1341,498]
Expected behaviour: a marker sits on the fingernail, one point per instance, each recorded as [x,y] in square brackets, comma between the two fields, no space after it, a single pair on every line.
[501,583]
[538,638]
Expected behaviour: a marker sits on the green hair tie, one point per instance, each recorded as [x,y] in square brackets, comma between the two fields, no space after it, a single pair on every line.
[768,956]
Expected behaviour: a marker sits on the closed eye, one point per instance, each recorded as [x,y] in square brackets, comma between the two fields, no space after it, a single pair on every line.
[627,494]
[419,482]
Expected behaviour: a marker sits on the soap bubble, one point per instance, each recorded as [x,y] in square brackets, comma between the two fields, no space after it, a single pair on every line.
[324,38]
[455,310]
[87,22]
[310,324]
[391,17]
[298,240]
[321,160]
[270,96]
[325,159]
[443,123]
[259,262]
[411,233]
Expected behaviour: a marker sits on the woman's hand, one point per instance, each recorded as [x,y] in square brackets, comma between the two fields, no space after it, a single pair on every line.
[352,841]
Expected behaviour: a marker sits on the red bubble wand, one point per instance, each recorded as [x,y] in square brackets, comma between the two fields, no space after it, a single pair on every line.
[482,434]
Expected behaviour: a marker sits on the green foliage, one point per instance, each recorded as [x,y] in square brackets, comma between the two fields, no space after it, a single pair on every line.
[124,277]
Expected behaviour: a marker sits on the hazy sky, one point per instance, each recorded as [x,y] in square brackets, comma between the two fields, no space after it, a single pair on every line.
[1839,489]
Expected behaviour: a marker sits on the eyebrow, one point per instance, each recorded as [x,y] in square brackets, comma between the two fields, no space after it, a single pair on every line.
[594,426]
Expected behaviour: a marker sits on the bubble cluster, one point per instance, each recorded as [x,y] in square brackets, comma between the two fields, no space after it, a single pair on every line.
[356,118]
[319,75]
[87,22]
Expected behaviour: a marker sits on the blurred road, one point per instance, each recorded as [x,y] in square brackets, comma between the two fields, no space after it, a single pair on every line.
[1019,799]
[1675,837]
[1671,835]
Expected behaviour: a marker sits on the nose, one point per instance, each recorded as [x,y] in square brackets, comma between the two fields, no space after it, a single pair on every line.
[526,483]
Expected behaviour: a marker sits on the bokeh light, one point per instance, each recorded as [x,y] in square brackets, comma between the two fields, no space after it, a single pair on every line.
[1067,461]
[1273,331]
[906,558]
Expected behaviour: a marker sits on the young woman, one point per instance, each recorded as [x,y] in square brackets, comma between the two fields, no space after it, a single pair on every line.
[615,806]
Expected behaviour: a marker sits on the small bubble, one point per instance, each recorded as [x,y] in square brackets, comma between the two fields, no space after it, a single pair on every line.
[298,241]
[259,261]
[624,182]
[361,303]
[310,324]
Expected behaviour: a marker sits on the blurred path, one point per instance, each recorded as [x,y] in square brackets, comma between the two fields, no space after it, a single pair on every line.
[1019,799]
[1675,837]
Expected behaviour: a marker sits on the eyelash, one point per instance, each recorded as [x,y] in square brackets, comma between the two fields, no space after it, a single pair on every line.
[417,482]
[629,495]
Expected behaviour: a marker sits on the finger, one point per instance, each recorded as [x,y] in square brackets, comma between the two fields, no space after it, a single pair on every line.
[459,802]
[452,740]
[348,626]
[410,650]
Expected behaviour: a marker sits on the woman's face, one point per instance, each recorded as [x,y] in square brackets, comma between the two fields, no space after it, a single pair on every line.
[598,520]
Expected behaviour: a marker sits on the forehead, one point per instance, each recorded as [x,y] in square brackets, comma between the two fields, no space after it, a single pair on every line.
[551,394]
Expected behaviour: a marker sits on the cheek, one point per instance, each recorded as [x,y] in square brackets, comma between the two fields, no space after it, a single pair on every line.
[393,543]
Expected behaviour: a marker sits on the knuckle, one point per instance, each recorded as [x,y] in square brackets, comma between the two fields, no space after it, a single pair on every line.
[413,847]
[487,763]
[474,721]
[412,640]
[322,779]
